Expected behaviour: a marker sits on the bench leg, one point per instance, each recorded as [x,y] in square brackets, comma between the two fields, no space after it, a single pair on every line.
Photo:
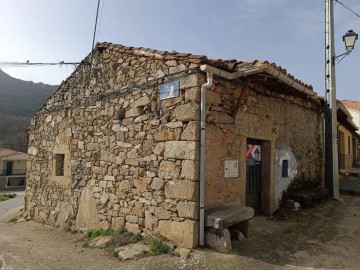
[236,234]
[218,239]
[243,227]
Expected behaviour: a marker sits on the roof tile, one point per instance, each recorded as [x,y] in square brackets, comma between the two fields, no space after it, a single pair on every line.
[227,65]
[351,104]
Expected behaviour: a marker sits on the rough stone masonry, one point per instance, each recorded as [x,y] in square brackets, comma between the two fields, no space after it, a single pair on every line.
[129,159]
[106,152]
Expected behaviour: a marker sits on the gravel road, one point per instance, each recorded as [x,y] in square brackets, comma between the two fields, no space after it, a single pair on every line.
[326,236]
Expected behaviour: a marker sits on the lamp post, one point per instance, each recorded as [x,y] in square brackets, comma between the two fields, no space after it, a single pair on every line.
[331,136]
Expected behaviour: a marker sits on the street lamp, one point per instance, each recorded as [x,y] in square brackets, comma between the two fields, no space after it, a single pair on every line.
[350,38]
[331,136]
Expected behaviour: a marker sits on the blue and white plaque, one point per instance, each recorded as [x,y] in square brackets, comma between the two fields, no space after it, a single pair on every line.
[169,90]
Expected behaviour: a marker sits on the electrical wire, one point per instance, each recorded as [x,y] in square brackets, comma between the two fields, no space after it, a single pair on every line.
[121,91]
[355,13]
[28,64]
[9,64]
[100,17]
[93,43]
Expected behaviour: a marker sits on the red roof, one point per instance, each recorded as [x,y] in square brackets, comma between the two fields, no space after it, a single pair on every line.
[351,104]
[227,65]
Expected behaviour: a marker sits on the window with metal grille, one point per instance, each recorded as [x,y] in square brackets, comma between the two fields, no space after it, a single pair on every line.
[285,168]
[59,164]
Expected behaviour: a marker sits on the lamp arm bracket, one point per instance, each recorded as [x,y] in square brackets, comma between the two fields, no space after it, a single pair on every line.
[346,53]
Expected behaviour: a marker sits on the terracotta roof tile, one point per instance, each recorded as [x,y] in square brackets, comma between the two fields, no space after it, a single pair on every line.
[351,104]
[227,65]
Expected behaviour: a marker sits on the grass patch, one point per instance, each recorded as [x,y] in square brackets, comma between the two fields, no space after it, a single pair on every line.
[122,238]
[92,234]
[4,197]
[158,247]
[138,237]
[14,219]
[71,230]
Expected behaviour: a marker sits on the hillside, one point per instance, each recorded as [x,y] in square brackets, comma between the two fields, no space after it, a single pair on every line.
[19,101]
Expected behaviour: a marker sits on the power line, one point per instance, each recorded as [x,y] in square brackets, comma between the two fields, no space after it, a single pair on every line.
[30,64]
[355,13]
[93,43]
[100,17]
[66,104]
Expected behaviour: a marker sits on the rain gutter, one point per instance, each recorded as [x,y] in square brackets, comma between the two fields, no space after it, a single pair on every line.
[269,69]
[204,88]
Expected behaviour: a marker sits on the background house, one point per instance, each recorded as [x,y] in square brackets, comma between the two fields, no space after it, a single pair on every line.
[12,169]
[118,144]
[353,108]
[347,141]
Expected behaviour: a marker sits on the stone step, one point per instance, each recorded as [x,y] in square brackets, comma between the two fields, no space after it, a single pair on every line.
[310,197]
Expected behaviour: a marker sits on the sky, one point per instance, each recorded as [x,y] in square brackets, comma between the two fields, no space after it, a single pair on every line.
[289,33]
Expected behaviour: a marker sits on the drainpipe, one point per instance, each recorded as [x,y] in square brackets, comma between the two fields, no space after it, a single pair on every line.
[204,87]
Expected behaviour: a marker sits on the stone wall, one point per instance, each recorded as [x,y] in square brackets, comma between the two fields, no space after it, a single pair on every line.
[3,182]
[221,144]
[130,159]
[290,127]
[106,152]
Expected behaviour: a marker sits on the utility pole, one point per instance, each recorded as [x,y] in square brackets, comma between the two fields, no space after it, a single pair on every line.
[331,136]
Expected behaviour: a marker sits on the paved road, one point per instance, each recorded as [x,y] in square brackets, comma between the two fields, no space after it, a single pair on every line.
[10,207]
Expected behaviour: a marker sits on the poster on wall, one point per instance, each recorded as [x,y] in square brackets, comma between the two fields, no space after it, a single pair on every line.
[253,155]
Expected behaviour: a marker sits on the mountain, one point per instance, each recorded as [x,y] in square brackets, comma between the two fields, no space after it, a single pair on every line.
[19,101]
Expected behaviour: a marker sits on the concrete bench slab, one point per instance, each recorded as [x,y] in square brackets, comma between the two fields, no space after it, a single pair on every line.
[224,217]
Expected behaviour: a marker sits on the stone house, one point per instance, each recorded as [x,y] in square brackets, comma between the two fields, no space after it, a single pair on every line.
[353,108]
[150,139]
[347,138]
[12,169]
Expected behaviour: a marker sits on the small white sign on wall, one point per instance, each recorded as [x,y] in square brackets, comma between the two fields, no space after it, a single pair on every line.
[231,168]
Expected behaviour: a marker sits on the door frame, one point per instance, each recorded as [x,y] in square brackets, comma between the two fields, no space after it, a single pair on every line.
[254,178]
[268,177]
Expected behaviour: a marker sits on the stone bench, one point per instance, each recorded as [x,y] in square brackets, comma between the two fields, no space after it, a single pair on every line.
[226,222]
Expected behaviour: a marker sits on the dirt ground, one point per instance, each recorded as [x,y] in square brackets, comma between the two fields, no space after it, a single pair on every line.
[326,236]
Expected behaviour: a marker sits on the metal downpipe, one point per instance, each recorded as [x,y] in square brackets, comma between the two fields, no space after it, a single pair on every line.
[204,87]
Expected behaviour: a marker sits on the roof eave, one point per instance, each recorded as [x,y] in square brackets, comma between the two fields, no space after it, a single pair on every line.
[267,68]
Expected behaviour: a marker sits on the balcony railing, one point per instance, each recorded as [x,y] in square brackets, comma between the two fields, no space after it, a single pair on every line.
[13,172]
